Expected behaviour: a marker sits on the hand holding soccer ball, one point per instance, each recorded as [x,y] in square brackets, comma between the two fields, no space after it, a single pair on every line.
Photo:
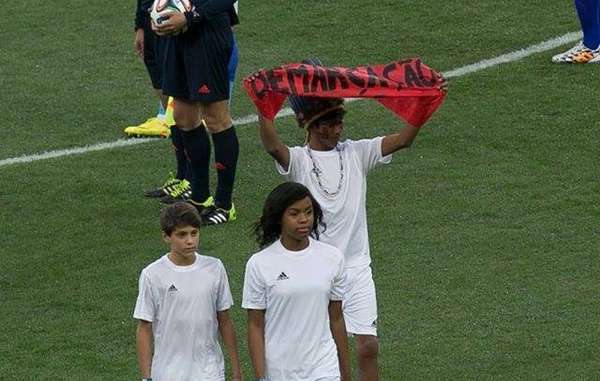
[168,16]
[172,24]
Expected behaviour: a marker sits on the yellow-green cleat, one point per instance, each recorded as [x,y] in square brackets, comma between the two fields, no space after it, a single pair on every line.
[170,185]
[182,191]
[202,206]
[151,128]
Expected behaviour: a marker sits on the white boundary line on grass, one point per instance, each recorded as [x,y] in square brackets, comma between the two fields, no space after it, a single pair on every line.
[468,69]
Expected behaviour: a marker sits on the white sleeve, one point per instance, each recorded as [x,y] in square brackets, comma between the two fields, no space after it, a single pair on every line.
[145,307]
[224,299]
[339,282]
[295,166]
[254,295]
[369,151]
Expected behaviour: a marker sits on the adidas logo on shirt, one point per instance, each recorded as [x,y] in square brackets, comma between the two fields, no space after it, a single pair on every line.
[282,276]
[172,288]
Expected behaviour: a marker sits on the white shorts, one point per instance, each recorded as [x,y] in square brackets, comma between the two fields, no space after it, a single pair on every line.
[360,302]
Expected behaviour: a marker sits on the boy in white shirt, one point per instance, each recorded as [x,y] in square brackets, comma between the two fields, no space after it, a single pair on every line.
[335,172]
[182,306]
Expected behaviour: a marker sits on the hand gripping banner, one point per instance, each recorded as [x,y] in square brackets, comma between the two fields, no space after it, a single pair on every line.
[408,88]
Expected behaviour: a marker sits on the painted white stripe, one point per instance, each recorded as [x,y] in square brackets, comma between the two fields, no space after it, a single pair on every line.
[248,119]
[515,56]
[73,151]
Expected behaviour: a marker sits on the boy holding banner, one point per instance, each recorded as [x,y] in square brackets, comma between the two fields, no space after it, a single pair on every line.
[336,171]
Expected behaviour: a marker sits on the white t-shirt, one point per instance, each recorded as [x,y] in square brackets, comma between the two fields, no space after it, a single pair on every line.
[295,287]
[182,304]
[345,213]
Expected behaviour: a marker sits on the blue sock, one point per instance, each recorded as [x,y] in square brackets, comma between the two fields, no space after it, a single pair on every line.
[161,110]
[589,17]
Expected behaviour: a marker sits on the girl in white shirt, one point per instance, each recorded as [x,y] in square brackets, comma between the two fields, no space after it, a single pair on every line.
[293,290]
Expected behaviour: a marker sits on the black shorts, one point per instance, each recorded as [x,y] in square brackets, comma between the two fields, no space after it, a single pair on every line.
[196,62]
[154,48]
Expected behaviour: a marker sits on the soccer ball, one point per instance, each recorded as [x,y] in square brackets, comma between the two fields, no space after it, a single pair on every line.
[161,8]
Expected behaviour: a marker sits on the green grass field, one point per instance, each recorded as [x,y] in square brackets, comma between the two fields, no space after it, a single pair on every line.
[484,234]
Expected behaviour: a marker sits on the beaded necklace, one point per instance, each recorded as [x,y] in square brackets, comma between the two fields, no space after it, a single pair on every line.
[318,172]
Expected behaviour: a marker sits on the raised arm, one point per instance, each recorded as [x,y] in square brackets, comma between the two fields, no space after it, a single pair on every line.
[338,331]
[396,141]
[256,342]
[272,143]
[228,336]
[143,347]
[404,138]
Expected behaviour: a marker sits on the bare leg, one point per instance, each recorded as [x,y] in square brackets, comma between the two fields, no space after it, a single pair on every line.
[367,348]
[186,114]
[216,116]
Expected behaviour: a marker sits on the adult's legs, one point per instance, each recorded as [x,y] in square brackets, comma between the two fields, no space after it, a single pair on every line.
[196,144]
[218,121]
[588,12]
[587,50]
[153,48]
[196,74]
[182,168]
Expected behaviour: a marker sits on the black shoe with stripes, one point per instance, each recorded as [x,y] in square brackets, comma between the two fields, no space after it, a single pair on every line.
[214,215]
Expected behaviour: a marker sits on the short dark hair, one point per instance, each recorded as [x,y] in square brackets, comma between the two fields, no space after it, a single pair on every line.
[268,228]
[333,115]
[308,110]
[178,214]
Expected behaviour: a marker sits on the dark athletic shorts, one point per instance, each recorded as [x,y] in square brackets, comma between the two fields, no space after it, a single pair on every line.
[154,48]
[196,62]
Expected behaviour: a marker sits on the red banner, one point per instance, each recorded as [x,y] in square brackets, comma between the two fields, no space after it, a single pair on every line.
[408,88]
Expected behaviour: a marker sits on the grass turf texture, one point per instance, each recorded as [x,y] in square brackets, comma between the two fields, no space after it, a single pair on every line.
[483,234]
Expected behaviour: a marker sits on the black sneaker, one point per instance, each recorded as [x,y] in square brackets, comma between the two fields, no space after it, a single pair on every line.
[214,215]
[174,197]
[170,186]
[202,206]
